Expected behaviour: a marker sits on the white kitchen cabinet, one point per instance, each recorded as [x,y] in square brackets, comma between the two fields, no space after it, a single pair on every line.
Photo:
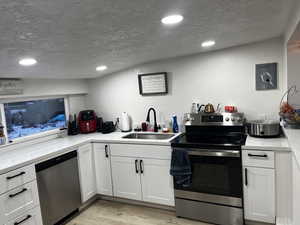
[157,183]
[103,169]
[126,178]
[140,174]
[31,217]
[17,201]
[87,172]
[259,194]
[16,178]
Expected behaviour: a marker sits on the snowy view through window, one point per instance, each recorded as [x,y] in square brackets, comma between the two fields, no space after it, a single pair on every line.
[31,117]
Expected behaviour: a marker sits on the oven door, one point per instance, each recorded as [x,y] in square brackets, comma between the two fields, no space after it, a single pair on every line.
[216,176]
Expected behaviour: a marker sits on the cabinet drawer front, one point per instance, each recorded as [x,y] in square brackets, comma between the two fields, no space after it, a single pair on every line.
[19,200]
[13,179]
[31,217]
[146,151]
[258,158]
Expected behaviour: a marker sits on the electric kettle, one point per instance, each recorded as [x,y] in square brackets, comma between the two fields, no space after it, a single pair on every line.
[125,122]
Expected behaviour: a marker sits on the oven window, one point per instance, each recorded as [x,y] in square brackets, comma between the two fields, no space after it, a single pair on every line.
[215,175]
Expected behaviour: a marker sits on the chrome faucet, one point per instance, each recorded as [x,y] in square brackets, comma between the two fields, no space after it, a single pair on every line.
[148,119]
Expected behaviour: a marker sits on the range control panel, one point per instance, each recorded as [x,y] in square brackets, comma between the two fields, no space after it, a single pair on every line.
[215,119]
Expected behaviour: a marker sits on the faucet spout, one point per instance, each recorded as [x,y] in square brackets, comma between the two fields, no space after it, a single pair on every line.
[148,118]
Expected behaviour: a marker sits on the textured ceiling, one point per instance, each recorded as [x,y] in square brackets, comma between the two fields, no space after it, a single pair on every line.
[69,38]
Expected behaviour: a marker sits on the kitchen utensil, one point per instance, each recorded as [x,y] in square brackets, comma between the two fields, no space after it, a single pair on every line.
[209,108]
[261,128]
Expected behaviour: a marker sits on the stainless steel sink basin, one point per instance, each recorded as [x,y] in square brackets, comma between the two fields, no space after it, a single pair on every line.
[149,136]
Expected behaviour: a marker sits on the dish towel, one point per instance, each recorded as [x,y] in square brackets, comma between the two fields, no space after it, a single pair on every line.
[181,168]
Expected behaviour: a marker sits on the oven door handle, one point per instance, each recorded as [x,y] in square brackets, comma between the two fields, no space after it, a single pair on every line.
[214,153]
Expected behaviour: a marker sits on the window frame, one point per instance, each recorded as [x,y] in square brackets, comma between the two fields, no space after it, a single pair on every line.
[37,135]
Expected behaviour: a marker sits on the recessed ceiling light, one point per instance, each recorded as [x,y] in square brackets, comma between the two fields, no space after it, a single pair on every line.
[172,19]
[101,68]
[206,44]
[27,62]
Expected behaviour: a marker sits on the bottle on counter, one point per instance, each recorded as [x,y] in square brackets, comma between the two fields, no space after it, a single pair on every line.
[175,124]
[194,108]
[2,135]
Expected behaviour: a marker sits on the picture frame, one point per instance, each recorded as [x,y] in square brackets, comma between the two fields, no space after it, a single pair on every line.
[153,84]
[266,76]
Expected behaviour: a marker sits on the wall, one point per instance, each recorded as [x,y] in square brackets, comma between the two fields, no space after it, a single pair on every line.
[290,28]
[47,87]
[291,62]
[76,90]
[293,21]
[226,76]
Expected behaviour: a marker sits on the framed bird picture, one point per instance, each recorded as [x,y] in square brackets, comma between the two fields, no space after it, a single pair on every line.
[266,76]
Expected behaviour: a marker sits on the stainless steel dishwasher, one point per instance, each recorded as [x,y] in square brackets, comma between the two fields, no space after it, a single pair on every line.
[59,188]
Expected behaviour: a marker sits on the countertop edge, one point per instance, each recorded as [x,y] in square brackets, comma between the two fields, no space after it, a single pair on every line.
[70,148]
[264,148]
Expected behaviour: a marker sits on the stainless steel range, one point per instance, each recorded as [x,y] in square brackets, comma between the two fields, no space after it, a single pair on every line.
[213,143]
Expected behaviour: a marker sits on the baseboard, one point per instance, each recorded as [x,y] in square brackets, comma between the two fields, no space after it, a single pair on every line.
[134,202]
[250,222]
[283,221]
[88,203]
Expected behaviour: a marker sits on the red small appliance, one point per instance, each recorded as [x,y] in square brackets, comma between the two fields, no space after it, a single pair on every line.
[87,121]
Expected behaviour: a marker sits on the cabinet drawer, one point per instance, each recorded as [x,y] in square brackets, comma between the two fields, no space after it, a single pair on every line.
[19,200]
[145,151]
[31,217]
[258,158]
[16,178]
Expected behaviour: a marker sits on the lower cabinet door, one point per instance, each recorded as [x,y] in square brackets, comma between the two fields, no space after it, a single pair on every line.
[87,172]
[126,178]
[157,183]
[259,194]
[18,201]
[103,169]
[31,217]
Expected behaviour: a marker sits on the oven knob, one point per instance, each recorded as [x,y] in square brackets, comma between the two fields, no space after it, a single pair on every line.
[232,119]
[227,119]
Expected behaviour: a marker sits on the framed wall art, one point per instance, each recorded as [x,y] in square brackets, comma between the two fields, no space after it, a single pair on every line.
[266,76]
[153,83]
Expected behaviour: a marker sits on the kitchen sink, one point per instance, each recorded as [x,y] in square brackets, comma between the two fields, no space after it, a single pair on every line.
[151,136]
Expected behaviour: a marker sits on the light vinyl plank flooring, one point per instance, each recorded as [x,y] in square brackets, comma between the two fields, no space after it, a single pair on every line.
[115,213]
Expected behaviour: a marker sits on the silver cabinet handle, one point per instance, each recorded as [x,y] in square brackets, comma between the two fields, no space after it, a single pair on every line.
[214,153]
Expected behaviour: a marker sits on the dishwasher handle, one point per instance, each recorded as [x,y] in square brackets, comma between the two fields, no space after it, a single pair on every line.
[57,160]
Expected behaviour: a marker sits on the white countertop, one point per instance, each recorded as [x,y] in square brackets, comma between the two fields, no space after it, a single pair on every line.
[267,144]
[293,136]
[19,157]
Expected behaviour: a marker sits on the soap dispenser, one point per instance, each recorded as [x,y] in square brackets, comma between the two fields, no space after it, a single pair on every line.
[175,124]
